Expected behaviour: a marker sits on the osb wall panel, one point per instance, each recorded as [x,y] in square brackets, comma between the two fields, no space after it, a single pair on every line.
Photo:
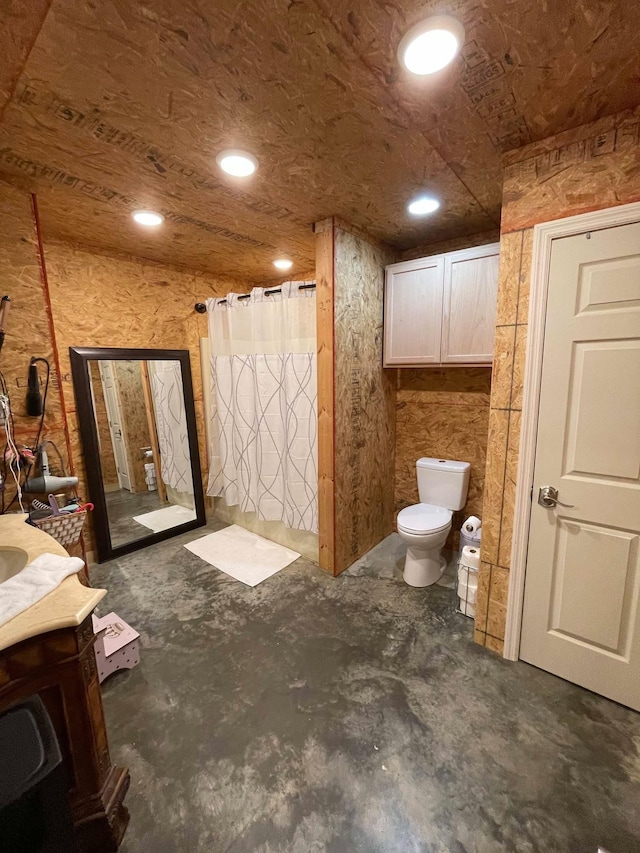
[28,330]
[107,457]
[325,332]
[425,250]
[592,168]
[104,300]
[442,413]
[135,426]
[364,396]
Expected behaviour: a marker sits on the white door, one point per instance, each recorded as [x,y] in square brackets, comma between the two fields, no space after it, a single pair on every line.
[413,312]
[581,616]
[112,405]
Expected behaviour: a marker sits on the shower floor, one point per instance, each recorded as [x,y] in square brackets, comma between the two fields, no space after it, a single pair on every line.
[346,714]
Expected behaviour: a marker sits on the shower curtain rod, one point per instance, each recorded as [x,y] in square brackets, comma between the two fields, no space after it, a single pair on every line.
[201,308]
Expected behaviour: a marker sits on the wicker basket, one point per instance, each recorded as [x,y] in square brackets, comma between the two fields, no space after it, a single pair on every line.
[65,529]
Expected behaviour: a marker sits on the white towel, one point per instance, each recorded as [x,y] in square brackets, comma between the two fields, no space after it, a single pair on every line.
[35,581]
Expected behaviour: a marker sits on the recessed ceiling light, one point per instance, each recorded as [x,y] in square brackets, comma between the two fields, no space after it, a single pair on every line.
[283,264]
[423,205]
[148,218]
[431,44]
[238,163]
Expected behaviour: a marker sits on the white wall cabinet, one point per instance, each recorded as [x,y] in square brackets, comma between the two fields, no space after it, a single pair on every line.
[442,309]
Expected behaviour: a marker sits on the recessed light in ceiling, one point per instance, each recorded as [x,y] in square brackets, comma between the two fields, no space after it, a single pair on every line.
[431,45]
[238,163]
[148,218]
[283,264]
[423,205]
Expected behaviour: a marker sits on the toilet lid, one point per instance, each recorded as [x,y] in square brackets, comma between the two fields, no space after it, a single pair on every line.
[424,518]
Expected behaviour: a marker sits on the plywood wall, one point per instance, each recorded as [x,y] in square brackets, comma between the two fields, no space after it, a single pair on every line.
[107,456]
[325,231]
[590,168]
[28,329]
[350,274]
[595,167]
[425,250]
[135,426]
[443,413]
[106,300]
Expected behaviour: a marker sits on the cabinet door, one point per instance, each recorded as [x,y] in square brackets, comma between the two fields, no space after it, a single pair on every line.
[413,312]
[469,308]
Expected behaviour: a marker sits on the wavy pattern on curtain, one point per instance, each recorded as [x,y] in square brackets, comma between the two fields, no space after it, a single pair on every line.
[263,441]
[171,424]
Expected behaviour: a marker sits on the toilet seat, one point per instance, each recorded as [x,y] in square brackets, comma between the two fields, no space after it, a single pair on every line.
[424,518]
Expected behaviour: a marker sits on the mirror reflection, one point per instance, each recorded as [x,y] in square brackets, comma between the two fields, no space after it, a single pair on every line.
[143,442]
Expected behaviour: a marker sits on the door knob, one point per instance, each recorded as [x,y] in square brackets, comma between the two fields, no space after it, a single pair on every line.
[548,497]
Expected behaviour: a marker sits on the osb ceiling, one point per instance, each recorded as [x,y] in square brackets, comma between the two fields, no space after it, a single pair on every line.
[110,105]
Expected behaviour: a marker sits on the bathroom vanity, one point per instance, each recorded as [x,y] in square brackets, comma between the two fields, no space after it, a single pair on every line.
[48,650]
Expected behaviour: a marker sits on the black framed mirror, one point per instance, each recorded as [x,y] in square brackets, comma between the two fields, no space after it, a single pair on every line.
[138,430]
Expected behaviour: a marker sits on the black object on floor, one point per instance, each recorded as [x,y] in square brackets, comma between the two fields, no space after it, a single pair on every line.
[35,816]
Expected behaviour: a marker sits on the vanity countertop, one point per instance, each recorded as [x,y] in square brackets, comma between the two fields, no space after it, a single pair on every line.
[66,606]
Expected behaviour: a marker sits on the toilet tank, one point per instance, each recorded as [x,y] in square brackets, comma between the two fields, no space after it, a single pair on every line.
[443,482]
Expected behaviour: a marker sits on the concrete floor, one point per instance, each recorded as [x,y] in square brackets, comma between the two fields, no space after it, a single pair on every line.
[349,714]
[122,505]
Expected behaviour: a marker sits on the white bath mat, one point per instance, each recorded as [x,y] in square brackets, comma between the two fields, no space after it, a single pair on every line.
[165,518]
[243,555]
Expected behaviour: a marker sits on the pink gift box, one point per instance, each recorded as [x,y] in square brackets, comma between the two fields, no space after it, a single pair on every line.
[117,645]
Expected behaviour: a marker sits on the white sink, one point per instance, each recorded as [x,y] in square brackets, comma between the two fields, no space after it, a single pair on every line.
[12,560]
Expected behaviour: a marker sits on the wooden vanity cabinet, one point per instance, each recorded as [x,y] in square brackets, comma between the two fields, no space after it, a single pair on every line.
[60,666]
[442,309]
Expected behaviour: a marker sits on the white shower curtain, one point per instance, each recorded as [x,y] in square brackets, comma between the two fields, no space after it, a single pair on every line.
[263,437]
[165,379]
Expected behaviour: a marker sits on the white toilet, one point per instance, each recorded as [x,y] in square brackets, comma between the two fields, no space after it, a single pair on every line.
[442,488]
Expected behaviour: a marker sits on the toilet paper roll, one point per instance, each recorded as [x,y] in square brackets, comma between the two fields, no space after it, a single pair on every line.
[472,524]
[467,578]
[470,557]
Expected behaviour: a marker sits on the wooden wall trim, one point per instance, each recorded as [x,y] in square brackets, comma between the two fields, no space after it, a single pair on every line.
[325,277]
